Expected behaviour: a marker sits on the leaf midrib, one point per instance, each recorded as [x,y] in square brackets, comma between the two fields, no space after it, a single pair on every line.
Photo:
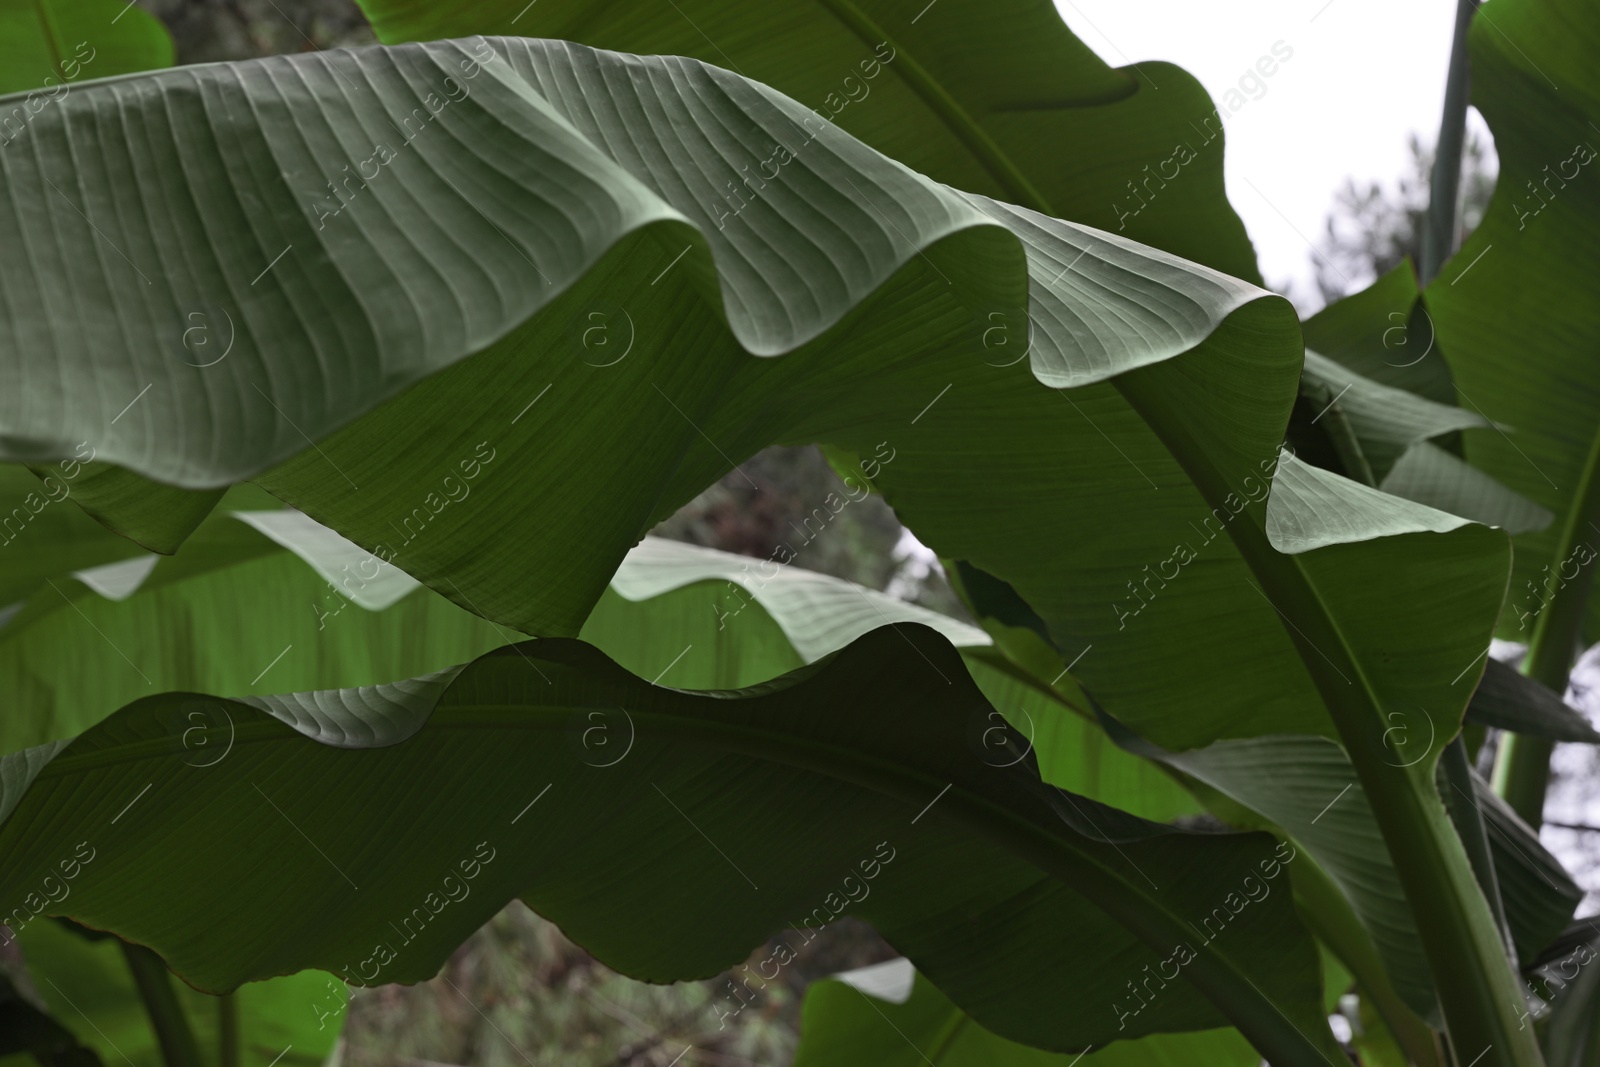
[959,121]
[48,29]
[1437,883]
[1561,623]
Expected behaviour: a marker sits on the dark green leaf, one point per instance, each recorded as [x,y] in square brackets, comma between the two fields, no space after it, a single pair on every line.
[27,1028]
[697,618]
[1185,379]
[1513,307]
[46,46]
[1383,333]
[154,516]
[724,820]
[1510,700]
[1306,786]
[995,97]
[1385,419]
[890,1016]
[1540,896]
[232,613]
[1429,475]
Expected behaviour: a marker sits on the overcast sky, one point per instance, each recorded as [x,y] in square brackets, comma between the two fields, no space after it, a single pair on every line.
[1364,75]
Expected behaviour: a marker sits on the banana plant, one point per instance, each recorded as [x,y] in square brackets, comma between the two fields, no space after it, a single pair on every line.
[1526,361]
[503,96]
[404,252]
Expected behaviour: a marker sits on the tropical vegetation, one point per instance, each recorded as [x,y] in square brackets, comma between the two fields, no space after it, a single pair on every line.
[345,388]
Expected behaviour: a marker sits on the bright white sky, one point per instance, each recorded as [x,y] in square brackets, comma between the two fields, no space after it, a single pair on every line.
[1364,75]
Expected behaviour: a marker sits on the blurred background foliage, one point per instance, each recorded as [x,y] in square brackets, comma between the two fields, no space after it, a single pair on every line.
[518,992]
[1374,226]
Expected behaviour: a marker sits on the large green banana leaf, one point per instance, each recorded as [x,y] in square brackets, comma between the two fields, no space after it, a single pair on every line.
[1386,420]
[1305,786]
[1430,475]
[729,640]
[818,614]
[1512,701]
[869,281]
[43,536]
[727,816]
[1383,333]
[245,610]
[1173,305]
[712,620]
[1514,308]
[1082,341]
[992,96]
[48,46]
[1383,390]
[887,1015]
[232,613]
[952,112]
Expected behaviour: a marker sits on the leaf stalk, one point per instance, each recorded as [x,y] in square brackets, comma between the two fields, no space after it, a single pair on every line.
[1522,766]
[167,1020]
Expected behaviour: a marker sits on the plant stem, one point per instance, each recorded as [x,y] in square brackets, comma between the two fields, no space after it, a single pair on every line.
[1461,800]
[228,1030]
[1479,989]
[1328,914]
[1345,442]
[171,1026]
[1018,189]
[947,1037]
[1521,772]
[1522,767]
[1439,227]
